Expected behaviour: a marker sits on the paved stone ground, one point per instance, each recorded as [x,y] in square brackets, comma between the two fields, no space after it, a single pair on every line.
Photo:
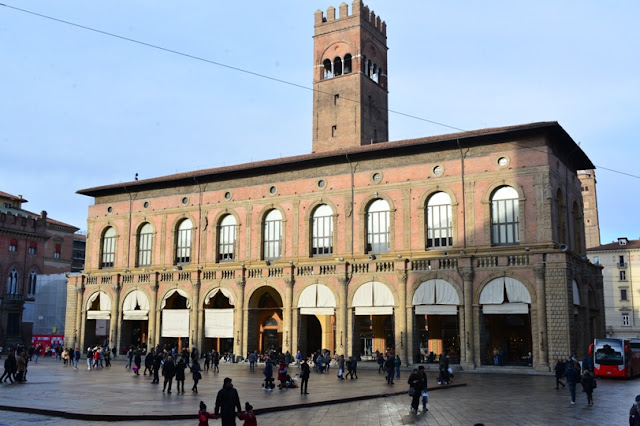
[490,399]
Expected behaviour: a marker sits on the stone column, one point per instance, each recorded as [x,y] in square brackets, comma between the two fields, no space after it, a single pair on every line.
[400,315]
[410,339]
[240,347]
[195,308]
[468,338]
[115,326]
[153,303]
[342,338]
[79,311]
[474,350]
[157,310]
[286,312]
[541,358]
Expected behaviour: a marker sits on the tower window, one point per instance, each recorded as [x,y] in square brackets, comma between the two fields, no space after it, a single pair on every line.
[335,99]
[347,63]
[328,68]
[334,129]
[337,66]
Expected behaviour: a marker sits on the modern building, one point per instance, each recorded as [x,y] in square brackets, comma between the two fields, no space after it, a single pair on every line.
[620,261]
[461,243]
[31,246]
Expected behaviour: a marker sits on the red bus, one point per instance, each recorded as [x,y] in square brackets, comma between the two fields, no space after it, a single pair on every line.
[616,357]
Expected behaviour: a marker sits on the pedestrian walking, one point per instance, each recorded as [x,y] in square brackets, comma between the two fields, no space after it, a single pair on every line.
[559,370]
[228,403]
[298,358]
[268,375]
[341,367]
[168,371]
[380,363]
[588,385]
[424,394]
[10,367]
[634,413]
[215,358]
[304,377]
[148,362]
[89,358]
[248,416]
[389,366]
[196,374]
[415,390]
[253,358]
[398,363]
[157,363]
[21,367]
[129,358]
[180,367]
[137,361]
[282,374]
[204,415]
[207,361]
[573,376]
[76,358]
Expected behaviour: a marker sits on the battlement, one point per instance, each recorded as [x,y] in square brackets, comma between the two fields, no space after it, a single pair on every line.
[358,11]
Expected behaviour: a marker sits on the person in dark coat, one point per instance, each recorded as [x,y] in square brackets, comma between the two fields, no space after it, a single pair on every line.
[137,361]
[196,374]
[168,371]
[180,367]
[9,368]
[588,385]
[573,376]
[228,404]
[268,375]
[304,377]
[157,363]
[559,370]
[380,362]
[634,413]
[389,367]
[415,381]
[148,363]
[423,377]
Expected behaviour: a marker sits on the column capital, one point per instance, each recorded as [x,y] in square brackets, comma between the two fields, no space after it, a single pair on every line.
[195,285]
[466,273]
[539,271]
[403,275]
[289,282]
[154,285]
[344,281]
[240,283]
[80,289]
[116,287]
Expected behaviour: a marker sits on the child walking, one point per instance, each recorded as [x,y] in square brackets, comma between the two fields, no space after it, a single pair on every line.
[248,416]
[204,416]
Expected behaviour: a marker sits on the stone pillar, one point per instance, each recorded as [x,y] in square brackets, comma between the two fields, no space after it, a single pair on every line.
[295,330]
[342,334]
[240,347]
[410,339]
[83,323]
[350,334]
[115,326]
[474,339]
[153,304]
[79,329]
[468,338]
[400,317]
[541,357]
[286,312]
[195,308]
[158,310]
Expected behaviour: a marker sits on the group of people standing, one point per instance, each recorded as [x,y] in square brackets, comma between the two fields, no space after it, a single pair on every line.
[15,367]
[571,370]
[389,365]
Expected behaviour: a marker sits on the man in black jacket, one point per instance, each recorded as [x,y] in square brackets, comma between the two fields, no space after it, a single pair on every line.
[304,377]
[228,404]
[168,371]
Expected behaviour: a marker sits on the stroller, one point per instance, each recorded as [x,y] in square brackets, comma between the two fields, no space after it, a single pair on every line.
[268,384]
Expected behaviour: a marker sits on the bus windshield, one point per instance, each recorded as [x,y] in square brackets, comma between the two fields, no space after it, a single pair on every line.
[609,352]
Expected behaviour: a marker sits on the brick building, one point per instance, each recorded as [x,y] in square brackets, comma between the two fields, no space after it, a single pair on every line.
[31,246]
[462,243]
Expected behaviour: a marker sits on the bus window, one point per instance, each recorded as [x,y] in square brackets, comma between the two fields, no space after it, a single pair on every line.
[609,354]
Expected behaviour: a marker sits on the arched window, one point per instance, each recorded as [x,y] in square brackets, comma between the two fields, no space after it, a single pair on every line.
[227,238]
[145,245]
[183,242]
[562,218]
[439,221]
[12,281]
[369,67]
[347,63]
[364,64]
[504,216]
[13,245]
[577,228]
[328,68]
[272,236]
[322,231]
[33,277]
[337,66]
[378,227]
[375,75]
[108,248]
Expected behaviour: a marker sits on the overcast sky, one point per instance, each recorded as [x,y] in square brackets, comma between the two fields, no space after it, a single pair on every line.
[80,109]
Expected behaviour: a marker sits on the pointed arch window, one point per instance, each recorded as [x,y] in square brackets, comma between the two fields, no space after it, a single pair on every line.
[378,227]
[33,277]
[108,248]
[145,245]
[439,221]
[12,281]
[347,63]
[227,238]
[504,216]
[322,231]
[183,241]
[272,235]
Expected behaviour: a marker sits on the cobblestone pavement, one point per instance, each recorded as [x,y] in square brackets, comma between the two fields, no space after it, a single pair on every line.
[490,399]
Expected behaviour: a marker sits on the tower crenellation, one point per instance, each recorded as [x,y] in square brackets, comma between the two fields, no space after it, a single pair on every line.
[358,10]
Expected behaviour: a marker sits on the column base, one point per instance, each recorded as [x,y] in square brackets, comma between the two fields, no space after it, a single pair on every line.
[545,368]
[467,366]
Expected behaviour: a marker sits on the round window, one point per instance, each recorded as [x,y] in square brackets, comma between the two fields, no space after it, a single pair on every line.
[377,177]
[185,200]
[322,183]
[227,195]
[503,161]
[273,190]
[146,204]
[437,170]
[109,209]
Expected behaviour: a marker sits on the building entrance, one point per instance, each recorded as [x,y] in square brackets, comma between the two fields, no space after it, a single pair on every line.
[265,321]
[311,335]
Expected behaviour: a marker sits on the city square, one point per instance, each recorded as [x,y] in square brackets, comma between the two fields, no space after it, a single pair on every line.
[114,395]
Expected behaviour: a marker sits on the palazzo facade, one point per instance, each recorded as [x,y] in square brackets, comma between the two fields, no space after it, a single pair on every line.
[460,244]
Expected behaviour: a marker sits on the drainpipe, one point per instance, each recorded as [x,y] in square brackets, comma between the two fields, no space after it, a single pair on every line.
[464,210]
[352,170]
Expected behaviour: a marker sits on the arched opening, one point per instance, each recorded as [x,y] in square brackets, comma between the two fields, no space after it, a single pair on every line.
[135,320]
[218,321]
[328,68]
[265,321]
[322,231]
[174,330]
[337,66]
[378,227]
[505,323]
[317,306]
[437,330]
[98,319]
[374,320]
[439,221]
[347,63]
[375,76]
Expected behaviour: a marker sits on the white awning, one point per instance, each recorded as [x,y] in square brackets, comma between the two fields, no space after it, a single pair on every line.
[373,294]
[135,299]
[96,315]
[224,291]
[170,293]
[436,291]
[493,292]
[576,294]
[105,301]
[374,310]
[175,323]
[218,323]
[317,299]
[436,310]
[506,308]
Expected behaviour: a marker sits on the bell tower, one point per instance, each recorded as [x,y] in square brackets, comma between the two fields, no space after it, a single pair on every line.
[349,78]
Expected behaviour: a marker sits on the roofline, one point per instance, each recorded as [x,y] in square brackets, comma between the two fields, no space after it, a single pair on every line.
[138,185]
